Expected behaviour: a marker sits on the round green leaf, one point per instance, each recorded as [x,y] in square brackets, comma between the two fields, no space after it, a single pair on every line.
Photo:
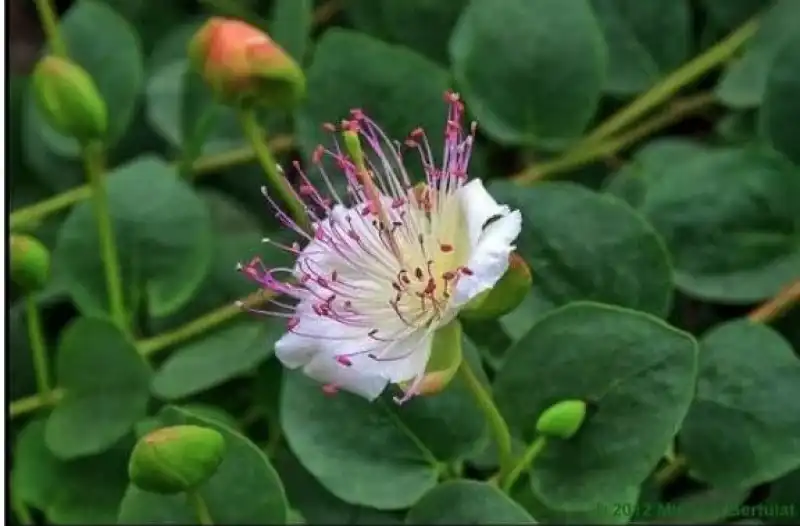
[163,236]
[637,374]
[619,511]
[378,454]
[744,82]
[639,55]
[80,491]
[731,221]
[422,25]
[317,504]
[106,389]
[784,498]
[531,71]
[216,358]
[780,112]
[113,58]
[244,490]
[584,246]
[631,182]
[748,392]
[467,502]
[291,24]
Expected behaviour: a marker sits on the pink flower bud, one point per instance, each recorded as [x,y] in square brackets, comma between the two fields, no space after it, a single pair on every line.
[242,64]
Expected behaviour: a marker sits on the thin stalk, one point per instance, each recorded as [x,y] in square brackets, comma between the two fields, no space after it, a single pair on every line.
[199,506]
[496,421]
[94,162]
[257,137]
[677,80]
[41,366]
[524,463]
[49,19]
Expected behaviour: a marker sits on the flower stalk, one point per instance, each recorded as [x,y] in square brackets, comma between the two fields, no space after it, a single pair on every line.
[277,181]
[94,163]
[41,365]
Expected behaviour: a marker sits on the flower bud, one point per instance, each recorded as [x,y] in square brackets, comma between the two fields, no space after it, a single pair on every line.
[505,296]
[446,356]
[29,262]
[176,459]
[243,65]
[563,419]
[68,99]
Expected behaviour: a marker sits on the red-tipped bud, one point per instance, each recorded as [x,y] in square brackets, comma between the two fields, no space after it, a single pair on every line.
[243,65]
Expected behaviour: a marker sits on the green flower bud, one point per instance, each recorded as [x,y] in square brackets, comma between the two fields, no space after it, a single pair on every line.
[563,419]
[505,296]
[446,356]
[29,262]
[68,99]
[176,459]
[241,63]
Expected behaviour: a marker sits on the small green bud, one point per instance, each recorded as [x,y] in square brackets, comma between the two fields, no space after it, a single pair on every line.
[29,262]
[68,99]
[446,356]
[563,419]
[505,296]
[176,459]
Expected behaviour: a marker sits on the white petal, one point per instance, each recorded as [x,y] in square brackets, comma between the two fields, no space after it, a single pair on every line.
[327,370]
[404,360]
[489,259]
[478,206]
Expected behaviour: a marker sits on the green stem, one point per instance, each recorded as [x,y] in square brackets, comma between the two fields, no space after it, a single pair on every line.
[21,511]
[95,167]
[255,134]
[33,403]
[674,82]
[671,471]
[36,336]
[49,19]
[197,503]
[496,422]
[580,156]
[28,215]
[524,463]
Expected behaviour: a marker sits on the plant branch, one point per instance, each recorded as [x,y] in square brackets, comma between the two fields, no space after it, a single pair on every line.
[777,306]
[577,157]
[49,18]
[202,166]
[524,463]
[41,365]
[495,420]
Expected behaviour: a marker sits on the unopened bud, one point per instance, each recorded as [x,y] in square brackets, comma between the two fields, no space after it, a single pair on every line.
[563,419]
[29,262]
[69,100]
[176,459]
[446,356]
[243,65]
[505,296]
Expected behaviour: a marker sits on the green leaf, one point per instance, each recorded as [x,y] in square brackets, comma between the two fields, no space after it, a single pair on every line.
[113,58]
[631,182]
[397,88]
[377,454]
[636,373]
[163,237]
[106,385]
[784,499]
[531,71]
[731,221]
[467,502]
[581,245]
[290,26]
[82,491]
[748,392]
[744,82]
[422,25]
[728,14]
[780,112]
[244,490]
[639,53]
[317,504]
[216,358]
